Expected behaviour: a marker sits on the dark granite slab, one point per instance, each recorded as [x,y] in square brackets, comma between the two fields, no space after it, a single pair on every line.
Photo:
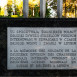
[4,23]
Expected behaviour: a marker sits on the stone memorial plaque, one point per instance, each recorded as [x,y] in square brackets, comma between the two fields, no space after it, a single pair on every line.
[41,48]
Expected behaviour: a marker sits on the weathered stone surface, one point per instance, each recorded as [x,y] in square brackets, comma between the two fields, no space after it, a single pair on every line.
[4,23]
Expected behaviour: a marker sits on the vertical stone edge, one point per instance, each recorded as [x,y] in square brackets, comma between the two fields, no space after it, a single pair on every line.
[42,8]
[59,8]
[7,47]
[25,8]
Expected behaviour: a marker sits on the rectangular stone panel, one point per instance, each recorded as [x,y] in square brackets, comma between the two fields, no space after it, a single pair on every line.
[41,48]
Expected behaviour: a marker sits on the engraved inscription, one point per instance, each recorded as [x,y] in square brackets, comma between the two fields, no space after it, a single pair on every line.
[41,48]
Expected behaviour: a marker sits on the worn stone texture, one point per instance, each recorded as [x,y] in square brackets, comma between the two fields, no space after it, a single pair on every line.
[4,23]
